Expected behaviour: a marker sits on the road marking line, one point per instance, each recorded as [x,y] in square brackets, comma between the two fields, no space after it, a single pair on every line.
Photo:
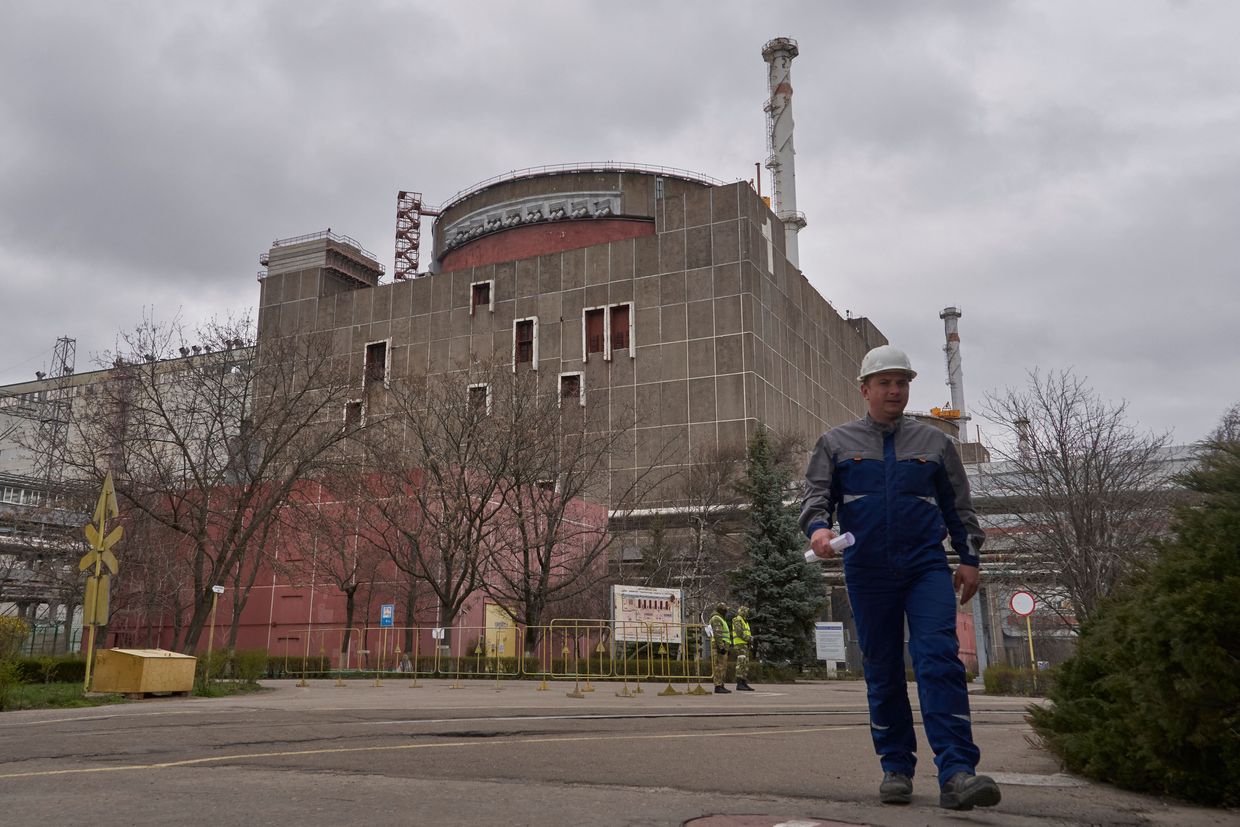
[215,759]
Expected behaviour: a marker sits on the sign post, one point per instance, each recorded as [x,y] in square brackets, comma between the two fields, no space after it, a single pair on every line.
[216,591]
[387,618]
[100,556]
[1023,604]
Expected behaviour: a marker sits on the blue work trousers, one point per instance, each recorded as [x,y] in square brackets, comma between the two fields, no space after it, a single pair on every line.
[880,606]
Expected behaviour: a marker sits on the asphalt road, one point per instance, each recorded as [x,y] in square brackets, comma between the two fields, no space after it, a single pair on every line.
[793,755]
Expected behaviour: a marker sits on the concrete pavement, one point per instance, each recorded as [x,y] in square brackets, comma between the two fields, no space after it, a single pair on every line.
[510,754]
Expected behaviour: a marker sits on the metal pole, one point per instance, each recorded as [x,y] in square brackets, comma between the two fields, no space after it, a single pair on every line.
[1033,664]
[215,597]
[90,650]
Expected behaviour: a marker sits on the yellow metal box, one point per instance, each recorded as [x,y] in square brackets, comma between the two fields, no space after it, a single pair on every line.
[142,671]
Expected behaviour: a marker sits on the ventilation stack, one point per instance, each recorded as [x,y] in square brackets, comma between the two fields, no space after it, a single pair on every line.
[955,380]
[778,54]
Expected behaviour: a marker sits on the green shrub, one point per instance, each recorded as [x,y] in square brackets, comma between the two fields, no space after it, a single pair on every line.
[61,669]
[9,679]
[1151,700]
[13,632]
[1002,679]
[249,665]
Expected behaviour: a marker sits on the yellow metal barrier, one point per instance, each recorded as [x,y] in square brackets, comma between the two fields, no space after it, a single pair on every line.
[583,650]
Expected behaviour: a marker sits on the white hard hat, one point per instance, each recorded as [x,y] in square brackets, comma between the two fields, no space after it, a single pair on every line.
[884,358]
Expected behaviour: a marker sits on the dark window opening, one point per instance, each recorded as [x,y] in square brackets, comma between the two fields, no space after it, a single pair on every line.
[546,485]
[352,414]
[478,397]
[524,341]
[594,331]
[620,327]
[480,295]
[376,362]
[570,386]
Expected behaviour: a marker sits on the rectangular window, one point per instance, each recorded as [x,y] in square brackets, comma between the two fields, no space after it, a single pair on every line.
[546,485]
[571,387]
[480,296]
[376,362]
[620,316]
[480,398]
[523,342]
[595,335]
[353,413]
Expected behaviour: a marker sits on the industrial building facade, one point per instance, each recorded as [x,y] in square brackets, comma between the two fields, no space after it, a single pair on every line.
[659,301]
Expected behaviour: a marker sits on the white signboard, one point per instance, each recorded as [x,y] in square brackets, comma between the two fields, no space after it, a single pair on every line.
[829,641]
[437,633]
[641,614]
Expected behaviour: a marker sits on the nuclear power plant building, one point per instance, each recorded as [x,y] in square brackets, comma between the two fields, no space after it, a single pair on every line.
[660,300]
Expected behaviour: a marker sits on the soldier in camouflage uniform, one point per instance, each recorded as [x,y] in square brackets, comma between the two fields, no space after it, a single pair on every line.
[720,643]
[741,640]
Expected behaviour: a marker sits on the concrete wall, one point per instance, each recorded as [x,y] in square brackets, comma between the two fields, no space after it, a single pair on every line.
[725,332]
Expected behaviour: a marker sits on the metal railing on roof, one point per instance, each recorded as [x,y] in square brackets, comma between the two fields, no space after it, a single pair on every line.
[595,166]
[328,234]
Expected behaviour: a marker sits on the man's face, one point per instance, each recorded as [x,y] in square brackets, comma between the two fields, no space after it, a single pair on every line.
[886,395]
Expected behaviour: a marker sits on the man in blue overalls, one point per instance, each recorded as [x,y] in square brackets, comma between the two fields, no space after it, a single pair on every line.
[899,486]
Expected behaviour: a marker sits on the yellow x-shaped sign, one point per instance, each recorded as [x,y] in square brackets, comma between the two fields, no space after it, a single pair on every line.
[101,540]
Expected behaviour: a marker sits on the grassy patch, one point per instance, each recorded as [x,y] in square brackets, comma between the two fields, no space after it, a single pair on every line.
[221,689]
[55,696]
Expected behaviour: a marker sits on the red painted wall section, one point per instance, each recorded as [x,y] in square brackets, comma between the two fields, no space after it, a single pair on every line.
[541,239]
[296,608]
[965,633]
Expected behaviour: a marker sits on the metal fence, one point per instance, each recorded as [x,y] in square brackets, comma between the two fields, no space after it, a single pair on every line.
[581,650]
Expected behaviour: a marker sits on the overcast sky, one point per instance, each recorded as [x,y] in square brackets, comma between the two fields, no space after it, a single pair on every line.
[1068,173]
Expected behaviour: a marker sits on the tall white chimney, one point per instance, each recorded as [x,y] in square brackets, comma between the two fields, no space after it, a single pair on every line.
[778,54]
[955,380]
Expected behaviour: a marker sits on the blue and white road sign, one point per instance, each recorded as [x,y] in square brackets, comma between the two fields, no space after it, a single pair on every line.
[387,613]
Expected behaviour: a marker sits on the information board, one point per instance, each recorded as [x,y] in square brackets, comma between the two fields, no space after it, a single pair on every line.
[829,642]
[642,613]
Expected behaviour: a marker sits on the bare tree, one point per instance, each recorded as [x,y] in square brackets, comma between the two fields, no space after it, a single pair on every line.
[440,462]
[695,547]
[327,516]
[1087,492]
[557,487]
[208,439]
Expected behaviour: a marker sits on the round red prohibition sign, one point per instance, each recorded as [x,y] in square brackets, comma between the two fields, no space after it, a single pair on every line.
[1023,603]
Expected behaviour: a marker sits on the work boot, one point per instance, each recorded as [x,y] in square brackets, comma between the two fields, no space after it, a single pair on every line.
[897,788]
[964,791]
[742,685]
[722,690]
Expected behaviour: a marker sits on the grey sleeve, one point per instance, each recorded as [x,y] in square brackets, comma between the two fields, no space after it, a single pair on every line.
[817,505]
[957,506]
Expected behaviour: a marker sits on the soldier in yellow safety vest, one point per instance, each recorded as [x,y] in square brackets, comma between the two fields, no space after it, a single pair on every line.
[741,640]
[720,643]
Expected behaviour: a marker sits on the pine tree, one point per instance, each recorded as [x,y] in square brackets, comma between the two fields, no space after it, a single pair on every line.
[783,592]
[1151,700]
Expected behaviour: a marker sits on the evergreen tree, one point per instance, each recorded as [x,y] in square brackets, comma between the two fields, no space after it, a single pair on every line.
[783,592]
[1151,700]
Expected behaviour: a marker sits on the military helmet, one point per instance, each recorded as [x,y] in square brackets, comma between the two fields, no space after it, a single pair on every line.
[721,607]
[743,611]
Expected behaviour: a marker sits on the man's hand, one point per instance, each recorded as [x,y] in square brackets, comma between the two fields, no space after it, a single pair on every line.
[965,581]
[820,542]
